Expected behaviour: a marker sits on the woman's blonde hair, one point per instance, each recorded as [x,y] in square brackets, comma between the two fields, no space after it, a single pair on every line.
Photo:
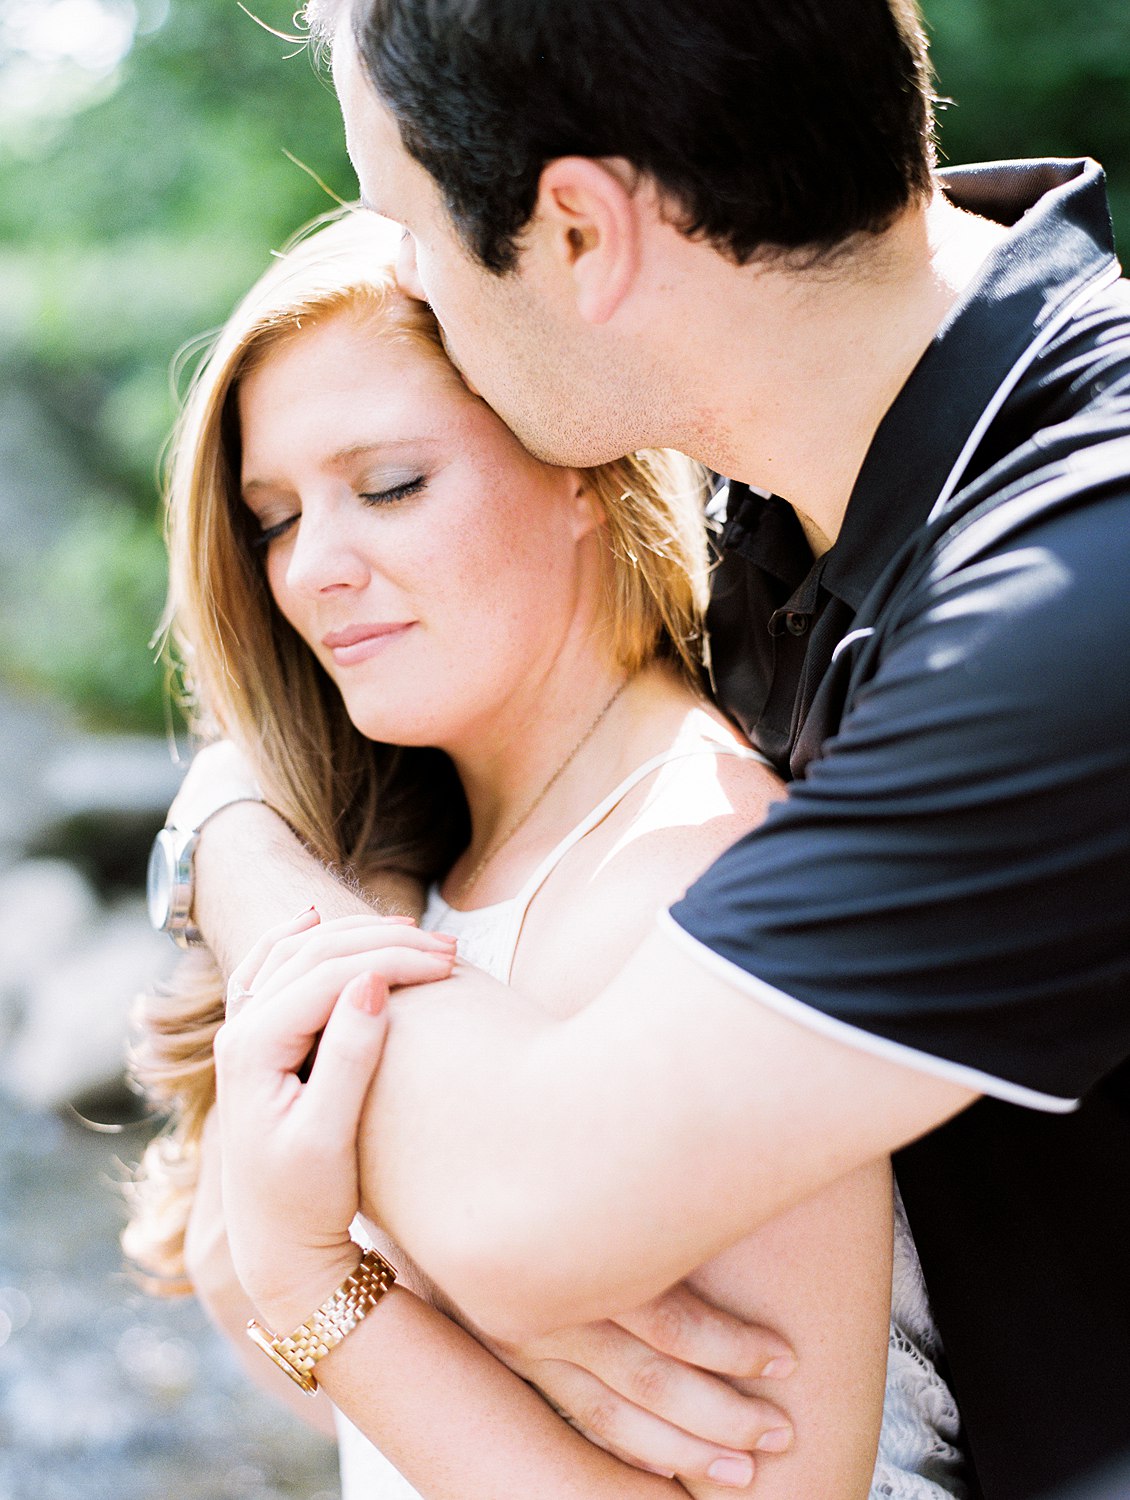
[246,675]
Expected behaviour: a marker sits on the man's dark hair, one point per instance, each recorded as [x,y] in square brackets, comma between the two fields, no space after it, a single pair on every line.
[768,124]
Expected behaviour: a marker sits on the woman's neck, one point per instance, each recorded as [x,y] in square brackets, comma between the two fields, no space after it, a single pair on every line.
[552,757]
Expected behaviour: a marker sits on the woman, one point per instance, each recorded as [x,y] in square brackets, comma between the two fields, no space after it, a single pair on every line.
[364,557]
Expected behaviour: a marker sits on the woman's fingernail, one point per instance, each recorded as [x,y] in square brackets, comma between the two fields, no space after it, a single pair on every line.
[400,921]
[779,1368]
[736,1473]
[369,995]
[776,1440]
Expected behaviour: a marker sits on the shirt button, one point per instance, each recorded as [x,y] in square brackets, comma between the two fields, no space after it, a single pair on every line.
[795,622]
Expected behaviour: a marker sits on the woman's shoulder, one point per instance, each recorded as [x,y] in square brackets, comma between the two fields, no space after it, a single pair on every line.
[707,778]
[692,802]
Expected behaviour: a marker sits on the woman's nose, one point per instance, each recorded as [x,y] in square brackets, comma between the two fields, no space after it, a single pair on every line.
[407,273]
[324,556]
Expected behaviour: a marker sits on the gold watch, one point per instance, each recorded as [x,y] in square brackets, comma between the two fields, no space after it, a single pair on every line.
[338,1315]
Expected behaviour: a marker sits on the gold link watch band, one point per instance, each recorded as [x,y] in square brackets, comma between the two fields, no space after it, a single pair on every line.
[338,1315]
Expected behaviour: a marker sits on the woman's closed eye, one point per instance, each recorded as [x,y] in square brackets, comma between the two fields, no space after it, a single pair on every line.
[393,492]
[389,495]
[270,533]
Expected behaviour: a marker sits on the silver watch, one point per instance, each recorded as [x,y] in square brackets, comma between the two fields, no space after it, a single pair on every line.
[169,880]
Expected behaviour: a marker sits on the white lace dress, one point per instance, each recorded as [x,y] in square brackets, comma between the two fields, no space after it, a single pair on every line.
[918,1455]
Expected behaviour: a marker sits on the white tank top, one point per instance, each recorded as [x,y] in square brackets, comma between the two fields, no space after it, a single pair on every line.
[918,1457]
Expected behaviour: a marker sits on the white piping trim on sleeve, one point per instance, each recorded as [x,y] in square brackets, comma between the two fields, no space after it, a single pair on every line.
[854,1036]
[853,635]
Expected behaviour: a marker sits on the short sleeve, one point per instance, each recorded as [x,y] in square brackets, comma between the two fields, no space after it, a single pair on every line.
[951,880]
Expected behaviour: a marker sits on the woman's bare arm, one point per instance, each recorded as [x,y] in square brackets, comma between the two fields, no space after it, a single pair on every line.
[824,1269]
[209,1266]
[455,1421]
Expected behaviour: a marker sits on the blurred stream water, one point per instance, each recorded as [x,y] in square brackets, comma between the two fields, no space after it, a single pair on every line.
[105,1392]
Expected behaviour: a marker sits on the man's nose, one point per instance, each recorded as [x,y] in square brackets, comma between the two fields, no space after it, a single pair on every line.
[407,274]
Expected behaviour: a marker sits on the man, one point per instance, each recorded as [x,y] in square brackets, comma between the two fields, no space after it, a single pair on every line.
[717,228]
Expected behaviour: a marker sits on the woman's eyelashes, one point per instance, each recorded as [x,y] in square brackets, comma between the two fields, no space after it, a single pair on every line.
[391,493]
[387,496]
[271,533]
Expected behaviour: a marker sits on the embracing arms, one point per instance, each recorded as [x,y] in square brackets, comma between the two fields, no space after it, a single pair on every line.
[407,1368]
[679,1071]
[639,1382]
[632,1113]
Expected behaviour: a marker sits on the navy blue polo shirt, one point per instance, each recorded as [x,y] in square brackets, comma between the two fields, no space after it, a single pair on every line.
[947,882]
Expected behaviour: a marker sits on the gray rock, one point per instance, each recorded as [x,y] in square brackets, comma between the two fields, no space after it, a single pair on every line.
[111,774]
[47,910]
[30,732]
[70,1041]
[64,790]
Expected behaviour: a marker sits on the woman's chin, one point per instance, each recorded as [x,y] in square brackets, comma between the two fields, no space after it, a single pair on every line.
[389,729]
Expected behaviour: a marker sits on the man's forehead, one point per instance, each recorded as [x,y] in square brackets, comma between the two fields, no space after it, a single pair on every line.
[386,174]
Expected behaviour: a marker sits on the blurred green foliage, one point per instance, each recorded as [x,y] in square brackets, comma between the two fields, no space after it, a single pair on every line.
[1036,78]
[129,225]
[138,200]
[90,605]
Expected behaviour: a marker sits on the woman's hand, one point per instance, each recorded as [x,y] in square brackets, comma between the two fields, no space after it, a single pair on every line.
[288,1128]
[647,1385]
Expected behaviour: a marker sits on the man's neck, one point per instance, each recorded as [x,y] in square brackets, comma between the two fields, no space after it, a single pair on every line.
[813,359]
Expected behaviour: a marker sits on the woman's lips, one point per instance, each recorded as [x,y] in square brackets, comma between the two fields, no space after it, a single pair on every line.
[357,643]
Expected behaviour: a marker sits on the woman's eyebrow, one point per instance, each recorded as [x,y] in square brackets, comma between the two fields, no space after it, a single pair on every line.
[376,447]
[249,486]
[341,457]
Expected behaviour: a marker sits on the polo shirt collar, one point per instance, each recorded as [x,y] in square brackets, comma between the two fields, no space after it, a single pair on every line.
[1061,246]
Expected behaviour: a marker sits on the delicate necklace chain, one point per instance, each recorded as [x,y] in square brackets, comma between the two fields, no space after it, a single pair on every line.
[524,817]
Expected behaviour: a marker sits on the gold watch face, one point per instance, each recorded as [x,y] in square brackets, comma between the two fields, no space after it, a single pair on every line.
[260,1339]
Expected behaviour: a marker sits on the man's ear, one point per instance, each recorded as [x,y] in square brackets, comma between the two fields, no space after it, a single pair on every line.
[589,218]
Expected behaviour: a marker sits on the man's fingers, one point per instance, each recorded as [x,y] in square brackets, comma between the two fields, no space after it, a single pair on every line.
[683,1324]
[648,1442]
[690,1399]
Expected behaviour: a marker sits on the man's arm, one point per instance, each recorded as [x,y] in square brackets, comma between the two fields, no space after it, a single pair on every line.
[831,1266]
[681,1073]
[602,1162]
[252,873]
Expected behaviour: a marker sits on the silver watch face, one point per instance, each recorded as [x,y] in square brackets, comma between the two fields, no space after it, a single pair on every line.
[159,879]
[168,886]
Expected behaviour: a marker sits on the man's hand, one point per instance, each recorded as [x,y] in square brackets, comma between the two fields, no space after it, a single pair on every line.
[289,1130]
[651,1386]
